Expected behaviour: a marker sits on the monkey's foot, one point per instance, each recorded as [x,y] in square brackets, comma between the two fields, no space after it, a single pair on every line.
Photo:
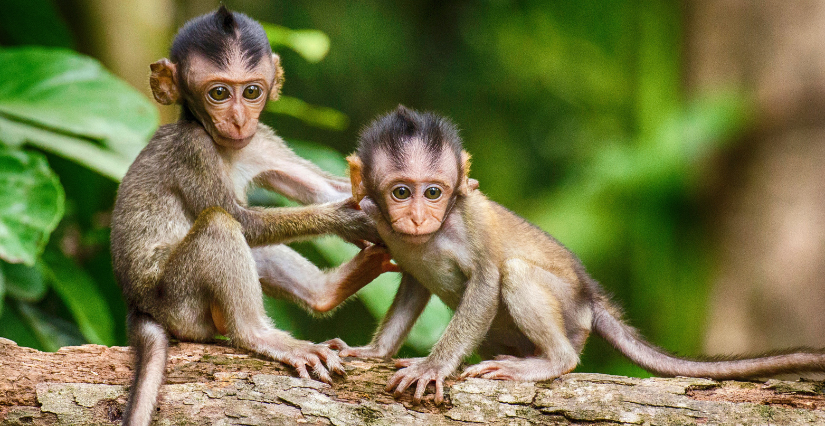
[521,369]
[421,371]
[306,354]
[359,352]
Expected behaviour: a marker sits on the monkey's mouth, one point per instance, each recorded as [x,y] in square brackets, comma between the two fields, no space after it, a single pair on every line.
[232,142]
[414,238]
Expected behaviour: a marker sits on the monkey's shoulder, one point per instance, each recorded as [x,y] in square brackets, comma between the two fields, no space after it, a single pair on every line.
[509,236]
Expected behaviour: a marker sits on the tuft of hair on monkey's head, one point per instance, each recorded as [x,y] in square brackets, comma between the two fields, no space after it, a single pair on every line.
[400,130]
[215,35]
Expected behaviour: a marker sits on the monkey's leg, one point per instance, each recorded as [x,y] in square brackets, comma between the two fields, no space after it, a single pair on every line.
[211,278]
[286,274]
[527,292]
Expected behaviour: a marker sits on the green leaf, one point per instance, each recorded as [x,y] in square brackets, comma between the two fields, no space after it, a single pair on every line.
[67,93]
[51,331]
[78,150]
[312,45]
[31,205]
[313,115]
[23,282]
[82,296]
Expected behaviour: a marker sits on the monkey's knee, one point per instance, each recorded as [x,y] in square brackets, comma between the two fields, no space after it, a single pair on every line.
[513,269]
[214,219]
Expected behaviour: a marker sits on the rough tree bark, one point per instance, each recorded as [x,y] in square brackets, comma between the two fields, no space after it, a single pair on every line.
[211,384]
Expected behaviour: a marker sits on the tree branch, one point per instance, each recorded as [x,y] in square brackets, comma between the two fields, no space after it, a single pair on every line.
[213,384]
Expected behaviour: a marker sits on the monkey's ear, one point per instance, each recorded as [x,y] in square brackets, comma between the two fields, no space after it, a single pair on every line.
[355,167]
[465,184]
[164,81]
[278,82]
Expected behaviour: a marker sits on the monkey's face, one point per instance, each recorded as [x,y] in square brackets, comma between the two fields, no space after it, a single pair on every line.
[228,100]
[417,194]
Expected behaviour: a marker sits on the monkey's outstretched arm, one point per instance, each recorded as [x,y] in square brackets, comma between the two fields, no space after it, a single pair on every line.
[286,274]
[200,191]
[409,302]
[302,181]
[263,226]
[468,326]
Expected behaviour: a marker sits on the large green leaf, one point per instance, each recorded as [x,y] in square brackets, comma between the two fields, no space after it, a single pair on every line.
[69,94]
[24,282]
[82,296]
[31,205]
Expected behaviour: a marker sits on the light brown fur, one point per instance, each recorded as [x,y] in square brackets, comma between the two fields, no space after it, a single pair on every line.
[192,257]
[519,296]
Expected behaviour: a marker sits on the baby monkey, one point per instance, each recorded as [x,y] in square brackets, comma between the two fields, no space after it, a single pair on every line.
[519,296]
[190,255]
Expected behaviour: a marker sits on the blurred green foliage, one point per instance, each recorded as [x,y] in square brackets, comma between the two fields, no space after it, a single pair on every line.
[574,111]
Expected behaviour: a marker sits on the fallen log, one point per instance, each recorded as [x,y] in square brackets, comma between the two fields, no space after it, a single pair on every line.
[214,384]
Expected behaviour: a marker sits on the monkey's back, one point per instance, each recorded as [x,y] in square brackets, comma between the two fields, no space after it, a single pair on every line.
[149,216]
[514,237]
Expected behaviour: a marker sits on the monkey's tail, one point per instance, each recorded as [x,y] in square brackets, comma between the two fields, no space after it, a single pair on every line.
[608,324]
[150,343]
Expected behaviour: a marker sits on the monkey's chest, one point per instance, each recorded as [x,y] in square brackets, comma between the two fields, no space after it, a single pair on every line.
[436,268]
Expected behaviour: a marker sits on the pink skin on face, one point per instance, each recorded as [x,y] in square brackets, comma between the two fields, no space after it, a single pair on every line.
[233,97]
[417,196]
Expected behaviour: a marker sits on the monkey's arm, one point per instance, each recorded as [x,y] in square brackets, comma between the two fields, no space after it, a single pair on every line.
[262,226]
[199,190]
[468,326]
[409,302]
[300,180]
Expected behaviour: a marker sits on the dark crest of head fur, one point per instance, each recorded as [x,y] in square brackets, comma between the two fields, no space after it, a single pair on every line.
[214,35]
[396,132]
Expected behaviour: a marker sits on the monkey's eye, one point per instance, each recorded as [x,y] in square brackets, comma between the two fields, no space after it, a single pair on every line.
[401,193]
[219,93]
[252,92]
[432,193]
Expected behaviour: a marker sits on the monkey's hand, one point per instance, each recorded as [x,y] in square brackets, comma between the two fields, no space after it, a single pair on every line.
[357,226]
[368,351]
[301,354]
[422,371]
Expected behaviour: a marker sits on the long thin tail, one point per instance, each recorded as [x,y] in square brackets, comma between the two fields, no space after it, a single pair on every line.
[150,343]
[607,323]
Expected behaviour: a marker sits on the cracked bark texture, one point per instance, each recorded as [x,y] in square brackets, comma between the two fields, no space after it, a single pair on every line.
[218,385]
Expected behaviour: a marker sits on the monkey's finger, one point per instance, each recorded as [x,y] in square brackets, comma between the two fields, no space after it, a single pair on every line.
[389,266]
[472,184]
[394,380]
[336,344]
[331,360]
[320,371]
[405,362]
[361,244]
[302,370]
[420,388]
[498,375]
[439,391]
[476,370]
[334,365]
[406,381]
